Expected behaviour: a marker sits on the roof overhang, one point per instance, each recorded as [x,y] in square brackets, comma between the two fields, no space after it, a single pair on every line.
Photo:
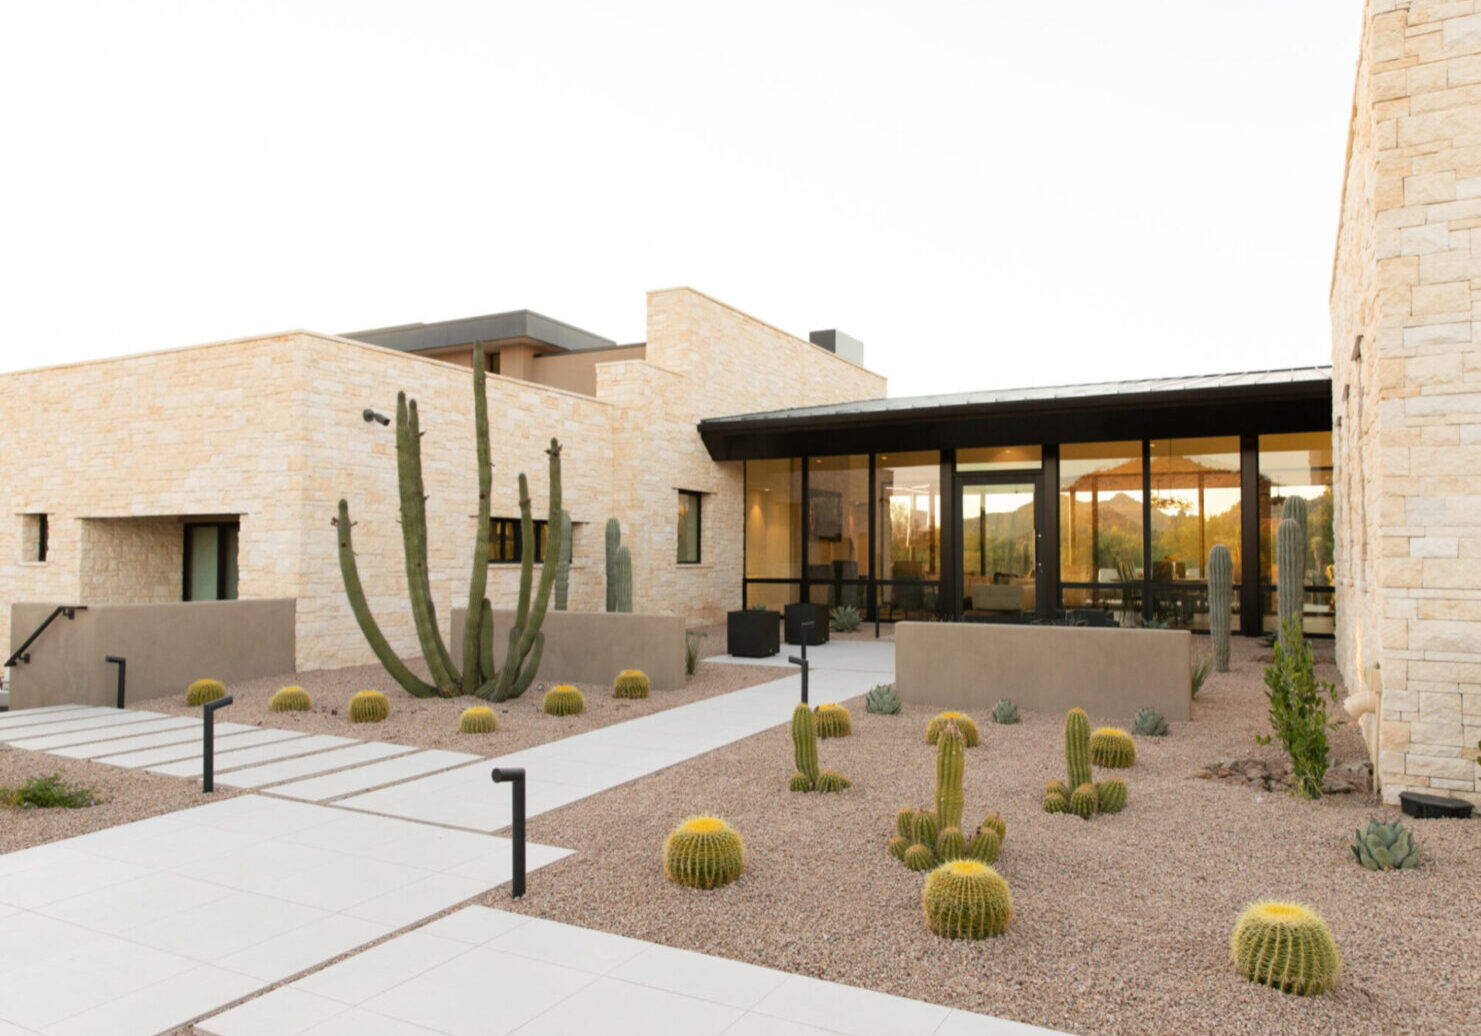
[523,326]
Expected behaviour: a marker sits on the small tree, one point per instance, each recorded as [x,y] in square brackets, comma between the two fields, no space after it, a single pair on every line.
[1298,711]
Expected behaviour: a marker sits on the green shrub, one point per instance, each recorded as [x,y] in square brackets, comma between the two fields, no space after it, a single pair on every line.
[49,791]
[1298,711]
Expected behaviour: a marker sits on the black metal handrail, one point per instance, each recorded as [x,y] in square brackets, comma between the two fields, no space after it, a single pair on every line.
[516,776]
[21,654]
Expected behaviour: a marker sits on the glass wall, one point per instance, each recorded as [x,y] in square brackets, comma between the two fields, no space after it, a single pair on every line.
[1298,465]
[838,530]
[1195,504]
[1100,527]
[1000,458]
[773,531]
[908,518]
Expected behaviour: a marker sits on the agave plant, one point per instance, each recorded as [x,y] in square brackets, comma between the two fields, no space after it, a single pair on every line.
[1149,723]
[883,700]
[1005,712]
[1386,847]
[845,619]
[1202,666]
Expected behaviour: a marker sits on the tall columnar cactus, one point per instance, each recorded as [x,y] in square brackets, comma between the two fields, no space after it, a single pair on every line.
[1290,574]
[477,673]
[950,756]
[614,544]
[804,748]
[1295,507]
[624,579]
[1077,747]
[1220,602]
[563,564]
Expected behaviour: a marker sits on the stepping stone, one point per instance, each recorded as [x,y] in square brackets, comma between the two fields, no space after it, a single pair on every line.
[232,757]
[272,773]
[189,733]
[332,785]
[105,718]
[184,750]
[45,714]
[96,734]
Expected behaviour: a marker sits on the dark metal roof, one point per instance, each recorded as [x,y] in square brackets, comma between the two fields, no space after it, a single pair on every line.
[494,327]
[1254,402]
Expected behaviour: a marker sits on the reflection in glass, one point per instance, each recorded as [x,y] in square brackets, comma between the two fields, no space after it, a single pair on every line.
[838,529]
[1100,512]
[1195,504]
[774,518]
[1298,465]
[775,596]
[998,574]
[1000,458]
[908,519]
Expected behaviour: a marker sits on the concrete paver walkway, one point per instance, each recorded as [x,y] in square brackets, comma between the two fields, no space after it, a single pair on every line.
[485,972]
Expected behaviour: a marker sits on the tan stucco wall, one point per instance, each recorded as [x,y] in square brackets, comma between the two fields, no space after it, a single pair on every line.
[577,372]
[1110,673]
[270,429]
[1406,352]
[167,646]
[593,647]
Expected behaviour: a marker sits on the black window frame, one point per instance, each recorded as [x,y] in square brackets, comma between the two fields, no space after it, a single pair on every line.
[43,535]
[188,548]
[511,531]
[697,501]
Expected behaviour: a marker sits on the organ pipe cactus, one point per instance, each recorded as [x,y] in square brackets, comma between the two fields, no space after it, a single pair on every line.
[704,853]
[1290,575]
[476,675]
[1220,602]
[619,570]
[563,564]
[966,899]
[950,755]
[1287,946]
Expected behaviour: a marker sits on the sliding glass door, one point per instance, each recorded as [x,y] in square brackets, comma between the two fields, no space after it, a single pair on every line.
[998,552]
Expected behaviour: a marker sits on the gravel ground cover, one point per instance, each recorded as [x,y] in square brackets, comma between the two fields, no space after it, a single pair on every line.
[126,795]
[1121,923]
[433,722]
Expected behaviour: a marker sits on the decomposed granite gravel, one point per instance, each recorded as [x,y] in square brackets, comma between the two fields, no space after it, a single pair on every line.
[433,722]
[1121,923]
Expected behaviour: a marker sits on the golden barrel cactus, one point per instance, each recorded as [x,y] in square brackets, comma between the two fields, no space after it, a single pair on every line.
[964,724]
[369,707]
[1287,946]
[564,700]
[966,899]
[704,853]
[832,720]
[1112,748]
[479,719]
[290,699]
[630,683]
[203,691]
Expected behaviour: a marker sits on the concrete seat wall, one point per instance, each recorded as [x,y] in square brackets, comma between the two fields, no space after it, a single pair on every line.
[1108,672]
[593,647]
[167,647]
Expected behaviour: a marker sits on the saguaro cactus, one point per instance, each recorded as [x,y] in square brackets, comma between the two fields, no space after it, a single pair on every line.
[624,579]
[1077,747]
[563,564]
[1295,507]
[950,756]
[477,674]
[614,540]
[1290,575]
[1220,602]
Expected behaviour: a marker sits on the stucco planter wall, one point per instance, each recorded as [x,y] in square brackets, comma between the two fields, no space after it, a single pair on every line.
[593,647]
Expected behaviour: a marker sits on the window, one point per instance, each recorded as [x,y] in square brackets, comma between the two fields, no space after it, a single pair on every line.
[34,534]
[211,561]
[506,541]
[689,504]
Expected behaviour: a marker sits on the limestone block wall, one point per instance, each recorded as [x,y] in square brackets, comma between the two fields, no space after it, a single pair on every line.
[131,560]
[1406,324]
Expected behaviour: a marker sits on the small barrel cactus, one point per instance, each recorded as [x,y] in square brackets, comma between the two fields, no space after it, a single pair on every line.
[985,845]
[832,780]
[1149,723]
[905,823]
[799,782]
[994,822]
[203,691]
[1386,847]
[704,853]
[897,845]
[951,844]
[845,619]
[290,699]
[1057,787]
[630,683]
[1005,712]
[1084,802]
[963,722]
[369,707]
[919,858]
[1112,748]
[965,899]
[925,828]
[564,700]
[1056,802]
[833,720]
[480,719]
[1287,946]
[1111,794]
[883,701]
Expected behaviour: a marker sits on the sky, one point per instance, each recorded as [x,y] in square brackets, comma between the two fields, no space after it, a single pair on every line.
[987,194]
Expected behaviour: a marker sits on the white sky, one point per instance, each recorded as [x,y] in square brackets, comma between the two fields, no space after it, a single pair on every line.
[987,194]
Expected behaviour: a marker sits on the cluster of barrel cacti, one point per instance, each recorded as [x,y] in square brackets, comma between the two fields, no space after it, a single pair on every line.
[1005,712]
[966,899]
[1287,946]
[832,720]
[963,723]
[202,691]
[619,570]
[925,838]
[290,699]
[369,707]
[475,673]
[704,853]
[1082,795]
[1112,748]
[883,700]
[563,700]
[809,777]
[630,683]
[480,719]
[1149,723]
[1220,603]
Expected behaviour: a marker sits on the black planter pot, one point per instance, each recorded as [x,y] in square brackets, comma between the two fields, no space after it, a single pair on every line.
[752,633]
[797,614]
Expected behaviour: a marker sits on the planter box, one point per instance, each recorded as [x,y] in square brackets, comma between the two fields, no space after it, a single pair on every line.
[752,633]
[797,614]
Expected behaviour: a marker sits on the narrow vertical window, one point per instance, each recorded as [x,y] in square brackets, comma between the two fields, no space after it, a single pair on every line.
[43,532]
[689,527]
[34,534]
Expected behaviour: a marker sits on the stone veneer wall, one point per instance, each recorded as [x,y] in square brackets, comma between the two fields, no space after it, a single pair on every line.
[270,429]
[1406,323]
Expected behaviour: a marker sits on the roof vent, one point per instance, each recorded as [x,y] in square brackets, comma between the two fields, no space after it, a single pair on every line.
[840,344]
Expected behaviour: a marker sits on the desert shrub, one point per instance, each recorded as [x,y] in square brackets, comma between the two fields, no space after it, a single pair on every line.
[692,640]
[1298,711]
[49,791]
[1149,723]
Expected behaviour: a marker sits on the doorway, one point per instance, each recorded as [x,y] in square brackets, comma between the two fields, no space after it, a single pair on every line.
[998,548]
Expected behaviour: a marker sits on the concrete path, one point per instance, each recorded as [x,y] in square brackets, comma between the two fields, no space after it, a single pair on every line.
[142,927]
[483,972]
